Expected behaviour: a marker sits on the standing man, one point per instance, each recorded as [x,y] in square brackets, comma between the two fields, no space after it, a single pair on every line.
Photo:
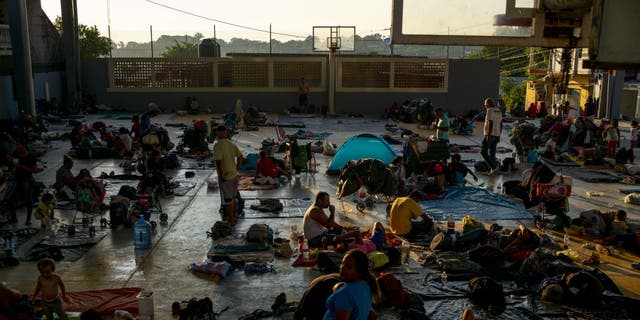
[322,230]
[492,131]
[303,91]
[403,211]
[228,159]
[442,127]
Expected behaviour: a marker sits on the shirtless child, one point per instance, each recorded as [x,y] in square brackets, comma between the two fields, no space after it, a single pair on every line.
[49,283]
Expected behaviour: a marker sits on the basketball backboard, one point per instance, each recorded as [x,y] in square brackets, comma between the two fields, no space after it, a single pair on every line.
[338,38]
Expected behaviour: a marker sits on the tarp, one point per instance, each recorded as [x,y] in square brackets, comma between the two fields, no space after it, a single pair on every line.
[478,203]
[360,147]
[104,301]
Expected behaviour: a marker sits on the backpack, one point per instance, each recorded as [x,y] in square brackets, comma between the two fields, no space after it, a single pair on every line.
[117,214]
[220,229]
[481,166]
[259,232]
[485,291]
[128,192]
[329,261]
[171,161]
[198,310]
[394,294]
[441,242]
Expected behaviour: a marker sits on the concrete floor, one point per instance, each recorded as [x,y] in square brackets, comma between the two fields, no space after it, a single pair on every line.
[164,269]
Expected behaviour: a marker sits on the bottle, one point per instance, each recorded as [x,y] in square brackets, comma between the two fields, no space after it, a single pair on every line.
[405,251]
[565,241]
[451,224]
[443,277]
[305,250]
[142,234]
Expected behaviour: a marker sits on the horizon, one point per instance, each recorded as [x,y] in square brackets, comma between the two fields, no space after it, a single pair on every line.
[290,20]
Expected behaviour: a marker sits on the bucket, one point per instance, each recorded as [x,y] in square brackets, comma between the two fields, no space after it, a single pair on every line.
[145,304]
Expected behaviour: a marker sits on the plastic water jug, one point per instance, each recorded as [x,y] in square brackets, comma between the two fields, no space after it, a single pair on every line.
[142,234]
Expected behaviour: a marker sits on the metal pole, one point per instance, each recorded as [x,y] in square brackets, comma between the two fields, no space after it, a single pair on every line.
[109,26]
[332,81]
[76,44]
[151,34]
[270,38]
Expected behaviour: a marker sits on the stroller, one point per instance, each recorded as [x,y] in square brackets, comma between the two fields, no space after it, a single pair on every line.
[89,203]
[554,200]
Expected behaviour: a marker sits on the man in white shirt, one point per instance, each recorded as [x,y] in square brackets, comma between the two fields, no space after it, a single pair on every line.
[492,130]
[316,225]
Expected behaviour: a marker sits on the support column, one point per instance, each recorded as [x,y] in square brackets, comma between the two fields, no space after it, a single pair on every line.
[332,81]
[21,47]
[69,44]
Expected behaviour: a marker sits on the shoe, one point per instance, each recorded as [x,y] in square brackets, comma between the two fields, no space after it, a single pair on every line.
[493,171]
[636,265]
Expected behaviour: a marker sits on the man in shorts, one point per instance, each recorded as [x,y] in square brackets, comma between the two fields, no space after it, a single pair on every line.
[228,159]
[317,226]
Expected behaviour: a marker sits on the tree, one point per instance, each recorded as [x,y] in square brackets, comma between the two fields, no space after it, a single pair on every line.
[182,50]
[512,91]
[92,44]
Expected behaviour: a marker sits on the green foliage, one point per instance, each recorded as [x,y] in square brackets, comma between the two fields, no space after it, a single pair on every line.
[92,44]
[181,50]
[512,91]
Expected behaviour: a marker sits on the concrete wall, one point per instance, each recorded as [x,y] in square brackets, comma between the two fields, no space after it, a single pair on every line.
[54,79]
[470,82]
[8,104]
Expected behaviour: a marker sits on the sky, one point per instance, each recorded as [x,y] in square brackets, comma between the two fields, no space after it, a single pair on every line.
[130,19]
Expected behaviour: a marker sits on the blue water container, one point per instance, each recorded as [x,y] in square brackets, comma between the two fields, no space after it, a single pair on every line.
[142,234]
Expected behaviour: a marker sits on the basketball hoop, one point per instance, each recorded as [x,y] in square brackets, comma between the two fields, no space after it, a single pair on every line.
[334,38]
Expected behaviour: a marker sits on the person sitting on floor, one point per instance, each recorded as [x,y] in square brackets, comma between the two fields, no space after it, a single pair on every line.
[267,170]
[375,241]
[520,243]
[322,230]
[403,211]
[621,233]
[65,180]
[458,171]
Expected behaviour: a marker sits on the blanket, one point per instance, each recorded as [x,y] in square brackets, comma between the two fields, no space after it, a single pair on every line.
[552,162]
[478,203]
[104,301]
[238,251]
[292,208]
[246,183]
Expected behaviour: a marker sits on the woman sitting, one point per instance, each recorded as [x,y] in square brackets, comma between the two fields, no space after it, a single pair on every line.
[268,171]
[353,298]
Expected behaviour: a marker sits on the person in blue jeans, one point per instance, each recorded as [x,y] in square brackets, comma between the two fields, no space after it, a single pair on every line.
[492,130]
[353,298]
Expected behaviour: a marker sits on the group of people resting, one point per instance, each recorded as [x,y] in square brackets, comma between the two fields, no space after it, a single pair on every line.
[102,141]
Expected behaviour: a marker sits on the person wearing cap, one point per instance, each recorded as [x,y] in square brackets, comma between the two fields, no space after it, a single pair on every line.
[492,130]
[442,126]
[228,159]
[403,211]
